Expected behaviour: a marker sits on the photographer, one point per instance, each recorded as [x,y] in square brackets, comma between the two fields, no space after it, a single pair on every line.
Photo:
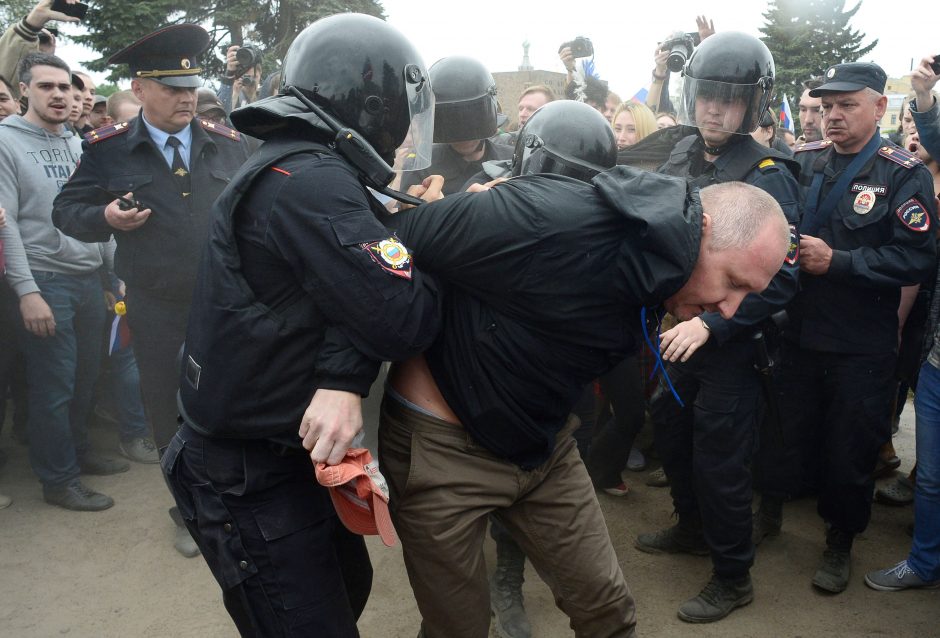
[658,96]
[242,77]
[24,37]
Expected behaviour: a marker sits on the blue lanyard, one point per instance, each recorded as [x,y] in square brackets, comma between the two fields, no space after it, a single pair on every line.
[655,350]
[815,214]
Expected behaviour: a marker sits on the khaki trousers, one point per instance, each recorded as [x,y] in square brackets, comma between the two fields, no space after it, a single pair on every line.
[444,486]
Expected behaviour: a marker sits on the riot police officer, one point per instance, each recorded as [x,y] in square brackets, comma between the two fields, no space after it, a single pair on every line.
[867,231]
[465,115]
[299,273]
[706,441]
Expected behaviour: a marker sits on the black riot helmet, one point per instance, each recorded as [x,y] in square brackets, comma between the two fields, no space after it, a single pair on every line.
[565,137]
[734,73]
[363,74]
[465,100]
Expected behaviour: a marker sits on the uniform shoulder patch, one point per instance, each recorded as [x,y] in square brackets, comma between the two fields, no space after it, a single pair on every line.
[913,215]
[220,129]
[899,156]
[766,163]
[813,146]
[391,255]
[105,132]
[793,254]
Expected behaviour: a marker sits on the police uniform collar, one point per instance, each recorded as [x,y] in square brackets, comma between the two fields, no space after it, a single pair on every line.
[138,134]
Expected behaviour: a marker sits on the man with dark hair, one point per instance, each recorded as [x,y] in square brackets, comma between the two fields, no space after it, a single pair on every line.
[168,167]
[810,109]
[8,104]
[59,289]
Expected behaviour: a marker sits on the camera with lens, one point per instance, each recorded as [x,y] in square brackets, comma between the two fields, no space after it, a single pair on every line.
[581,47]
[680,46]
[247,57]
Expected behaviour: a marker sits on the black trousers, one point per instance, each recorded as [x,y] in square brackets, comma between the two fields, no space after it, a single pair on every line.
[158,330]
[610,449]
[270,535]
[837,409]
[707,445]
[12,360]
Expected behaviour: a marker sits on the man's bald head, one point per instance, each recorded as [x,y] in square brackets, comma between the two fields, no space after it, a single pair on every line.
[745,238]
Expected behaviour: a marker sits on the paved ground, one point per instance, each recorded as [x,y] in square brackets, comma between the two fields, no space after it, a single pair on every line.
[115,573]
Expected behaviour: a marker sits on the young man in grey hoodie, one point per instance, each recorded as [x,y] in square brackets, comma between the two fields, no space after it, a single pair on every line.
[57,281]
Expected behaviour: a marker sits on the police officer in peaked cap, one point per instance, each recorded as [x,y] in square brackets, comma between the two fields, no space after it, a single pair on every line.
[868,230]
[150,183]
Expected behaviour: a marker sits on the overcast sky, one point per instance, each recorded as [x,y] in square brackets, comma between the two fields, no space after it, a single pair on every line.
[493,31]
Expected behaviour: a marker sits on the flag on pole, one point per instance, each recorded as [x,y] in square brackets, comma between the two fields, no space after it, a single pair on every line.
[786,116]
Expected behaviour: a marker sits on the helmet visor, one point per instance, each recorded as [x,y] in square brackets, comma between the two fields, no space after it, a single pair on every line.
[532,157]
[414,154]
[720,106]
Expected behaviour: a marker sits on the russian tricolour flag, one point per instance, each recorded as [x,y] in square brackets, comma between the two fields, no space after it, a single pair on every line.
[786,116]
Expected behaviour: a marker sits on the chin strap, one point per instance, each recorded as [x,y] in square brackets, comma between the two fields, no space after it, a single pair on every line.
[718,150]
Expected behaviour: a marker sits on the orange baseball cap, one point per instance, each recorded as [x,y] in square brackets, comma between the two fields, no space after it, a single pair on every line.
[359,493]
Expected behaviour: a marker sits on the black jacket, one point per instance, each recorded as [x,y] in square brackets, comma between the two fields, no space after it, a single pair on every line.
[546,277]
[749,162]
[853,308]
[300,288]
[161,256]
[456,171]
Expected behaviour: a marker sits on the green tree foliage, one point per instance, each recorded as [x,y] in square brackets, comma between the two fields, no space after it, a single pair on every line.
[12,11]
[808,36]
[270,24]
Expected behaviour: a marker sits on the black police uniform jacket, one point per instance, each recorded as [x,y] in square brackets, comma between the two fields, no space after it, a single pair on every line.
[545,278]
[771,171]
[299,284]
[456,171]
[161,256]
[883,237]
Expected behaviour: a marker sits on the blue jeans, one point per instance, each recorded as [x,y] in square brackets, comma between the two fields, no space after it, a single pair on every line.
[925,550]
[122,383]
[61,372]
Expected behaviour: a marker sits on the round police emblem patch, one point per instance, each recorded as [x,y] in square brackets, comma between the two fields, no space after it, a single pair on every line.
[864,202]
[391,255]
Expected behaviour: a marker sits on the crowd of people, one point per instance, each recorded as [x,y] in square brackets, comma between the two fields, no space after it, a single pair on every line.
[222,274]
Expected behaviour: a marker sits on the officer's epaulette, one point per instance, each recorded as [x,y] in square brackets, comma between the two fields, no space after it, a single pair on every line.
[219,129]
[900,156]
[766,163]
[813,146]
[103,133]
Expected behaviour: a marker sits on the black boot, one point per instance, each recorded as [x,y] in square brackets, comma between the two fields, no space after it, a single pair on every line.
[719,598]
[685,537]
[836,568]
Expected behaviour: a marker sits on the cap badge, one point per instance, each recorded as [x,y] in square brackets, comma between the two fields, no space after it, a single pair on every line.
[831,73]
[185,63]
[864,202]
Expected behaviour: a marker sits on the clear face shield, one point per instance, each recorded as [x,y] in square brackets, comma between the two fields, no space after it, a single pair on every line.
[720,106]
[414,154]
